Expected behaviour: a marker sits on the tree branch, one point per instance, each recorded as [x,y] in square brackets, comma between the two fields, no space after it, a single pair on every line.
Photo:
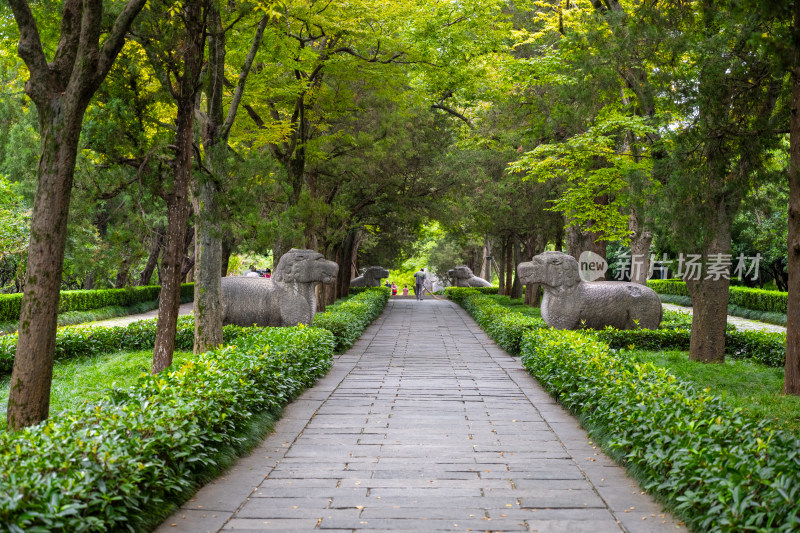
[116,39]
[454,113]
[31,52]
[248,63]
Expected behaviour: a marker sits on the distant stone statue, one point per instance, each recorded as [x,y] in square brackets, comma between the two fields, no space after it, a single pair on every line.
[370,278]
[462,276]
[571,303]
[285,299]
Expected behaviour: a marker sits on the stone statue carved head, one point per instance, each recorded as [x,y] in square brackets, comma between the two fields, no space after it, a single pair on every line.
[460,272]
[553,269]
[376,273]
[305,266]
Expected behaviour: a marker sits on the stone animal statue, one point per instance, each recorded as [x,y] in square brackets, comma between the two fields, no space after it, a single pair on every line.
[371,278]
[462,276]
[286,299]
[571,303]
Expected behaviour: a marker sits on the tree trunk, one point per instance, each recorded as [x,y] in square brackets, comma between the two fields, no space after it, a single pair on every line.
[61,90]
[509,261]
[122,274]
[501,275]
[227,251]
[641,240]
[146,275]
[177,197]
[345,257]
[533,246]
[29,397]
[516,287]
[486,266]
[791,384]
[710,300]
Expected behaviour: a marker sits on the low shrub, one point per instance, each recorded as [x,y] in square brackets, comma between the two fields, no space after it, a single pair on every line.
[716,468]
[94,299]
[764,347]
[754,299]
[108,465]
[503,325]
[348,319]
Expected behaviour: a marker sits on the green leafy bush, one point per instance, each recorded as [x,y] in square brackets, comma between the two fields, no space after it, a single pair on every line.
[348,319]
[754,299]
[765,347]
[503,325]
[105,466]
[506,328]
[718,469]
[88,300]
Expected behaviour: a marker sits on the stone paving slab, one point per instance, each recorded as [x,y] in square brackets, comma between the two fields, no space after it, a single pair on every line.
[424,425]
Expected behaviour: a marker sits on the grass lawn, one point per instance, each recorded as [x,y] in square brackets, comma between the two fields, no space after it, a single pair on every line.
[754,388]
[76,380]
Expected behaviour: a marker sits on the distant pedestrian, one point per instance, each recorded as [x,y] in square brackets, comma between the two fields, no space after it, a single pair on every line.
[268,273]
[394,289]
[405,289]
[419,282]
[251,272]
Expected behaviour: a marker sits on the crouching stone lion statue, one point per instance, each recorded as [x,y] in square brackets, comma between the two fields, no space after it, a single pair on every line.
[570,303]
[462,276]
[371,278]
[286,299]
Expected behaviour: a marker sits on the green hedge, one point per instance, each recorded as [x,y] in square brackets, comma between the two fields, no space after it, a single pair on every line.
[718,469]
[755,299]
[506,328]
[503,325]
[108,465]
[348,319]
[88,300]
[765,347]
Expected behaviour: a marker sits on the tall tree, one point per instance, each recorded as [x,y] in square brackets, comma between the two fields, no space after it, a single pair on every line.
[216,126]
[61,90]
[174,39]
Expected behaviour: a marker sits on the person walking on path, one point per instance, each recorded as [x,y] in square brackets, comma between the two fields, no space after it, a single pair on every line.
[419,282]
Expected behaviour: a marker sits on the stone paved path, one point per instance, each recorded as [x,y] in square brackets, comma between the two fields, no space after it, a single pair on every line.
[740,323]
[424,425]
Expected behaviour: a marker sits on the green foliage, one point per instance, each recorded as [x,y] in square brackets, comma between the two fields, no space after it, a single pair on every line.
[503,325]
[348,319]
[755,299]
[95,299]
[755,388]
[107,465]
[720,470]
[764,347]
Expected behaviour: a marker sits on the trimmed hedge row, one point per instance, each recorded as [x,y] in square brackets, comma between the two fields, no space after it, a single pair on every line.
[88,300]
[106,466]
[506,327]
[765,347]
[503,325]
[756,299]
[348,319]
[718,469]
